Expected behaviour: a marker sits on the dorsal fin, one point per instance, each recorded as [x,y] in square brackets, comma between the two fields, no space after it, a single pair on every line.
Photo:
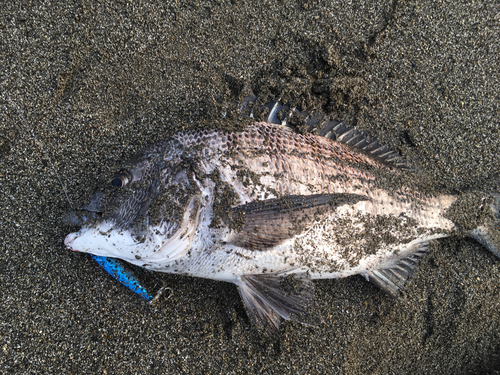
[318,123]
[368,145]
[324,126]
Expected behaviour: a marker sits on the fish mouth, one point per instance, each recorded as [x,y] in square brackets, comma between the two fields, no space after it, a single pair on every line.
[70,238]
[92,210]
[80,217]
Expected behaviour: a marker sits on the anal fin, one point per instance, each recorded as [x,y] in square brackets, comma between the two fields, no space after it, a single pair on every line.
[267,297]
[393,279]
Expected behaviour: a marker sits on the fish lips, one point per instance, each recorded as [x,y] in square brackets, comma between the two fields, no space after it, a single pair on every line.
[70,239]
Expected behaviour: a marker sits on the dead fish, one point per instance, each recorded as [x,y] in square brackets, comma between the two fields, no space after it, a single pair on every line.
[270,210]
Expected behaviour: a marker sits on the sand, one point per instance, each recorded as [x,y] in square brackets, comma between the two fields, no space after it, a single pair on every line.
[93,82]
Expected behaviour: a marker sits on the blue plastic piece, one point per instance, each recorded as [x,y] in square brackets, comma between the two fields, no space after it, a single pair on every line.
[125,276]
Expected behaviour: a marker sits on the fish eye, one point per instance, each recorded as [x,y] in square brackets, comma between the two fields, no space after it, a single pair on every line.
[122,178]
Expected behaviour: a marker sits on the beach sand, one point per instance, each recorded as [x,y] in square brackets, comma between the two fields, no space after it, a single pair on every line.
[87,84]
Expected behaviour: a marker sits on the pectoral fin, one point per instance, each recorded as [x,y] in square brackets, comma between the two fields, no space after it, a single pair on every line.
[270,222]
[267,297]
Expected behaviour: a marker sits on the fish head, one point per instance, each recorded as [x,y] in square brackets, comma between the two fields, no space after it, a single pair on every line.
[146,212]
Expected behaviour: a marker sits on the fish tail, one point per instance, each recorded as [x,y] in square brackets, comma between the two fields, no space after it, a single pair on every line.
[488,232]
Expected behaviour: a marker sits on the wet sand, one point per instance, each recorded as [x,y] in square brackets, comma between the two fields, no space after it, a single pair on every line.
[96,81]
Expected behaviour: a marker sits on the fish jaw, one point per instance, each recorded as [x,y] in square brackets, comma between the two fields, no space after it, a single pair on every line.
[108,242]
[163,244]
[103,240]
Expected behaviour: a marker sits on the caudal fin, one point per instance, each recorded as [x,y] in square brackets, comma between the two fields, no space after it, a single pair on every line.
[488,234]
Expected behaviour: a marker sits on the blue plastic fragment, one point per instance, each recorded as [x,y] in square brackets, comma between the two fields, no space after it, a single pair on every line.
[125,276]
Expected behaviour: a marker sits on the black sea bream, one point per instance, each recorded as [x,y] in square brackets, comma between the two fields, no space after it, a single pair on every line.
[269,210]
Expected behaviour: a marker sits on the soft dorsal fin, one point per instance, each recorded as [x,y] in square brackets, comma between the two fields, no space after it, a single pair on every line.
[269,222]
[269,296]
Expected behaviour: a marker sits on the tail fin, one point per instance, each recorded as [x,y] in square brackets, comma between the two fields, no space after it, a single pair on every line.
[488,234]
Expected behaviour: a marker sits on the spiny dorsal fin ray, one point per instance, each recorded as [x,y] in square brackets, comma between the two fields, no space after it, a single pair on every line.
[269,296]
[270,222]
[318,122]
[368,145]
[393,279]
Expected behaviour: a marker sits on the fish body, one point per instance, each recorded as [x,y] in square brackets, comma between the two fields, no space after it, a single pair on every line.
[268,210]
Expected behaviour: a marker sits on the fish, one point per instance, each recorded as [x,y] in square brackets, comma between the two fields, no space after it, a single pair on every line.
[270,210]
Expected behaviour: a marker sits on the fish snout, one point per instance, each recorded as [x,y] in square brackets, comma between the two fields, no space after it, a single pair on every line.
[70,238]
[74,218]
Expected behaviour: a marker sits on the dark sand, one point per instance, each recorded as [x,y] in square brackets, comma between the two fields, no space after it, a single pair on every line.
[97,81]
